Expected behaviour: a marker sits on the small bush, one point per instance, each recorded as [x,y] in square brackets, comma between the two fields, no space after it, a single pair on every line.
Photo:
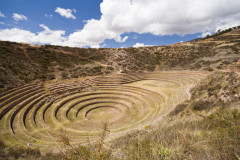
[110,68]
[64,75]
[210,69]
[216,87]
[219,67]
[226,62]
[225,133]
[51,76]
[201,105]
[179,108]
[7,152]
[74,76]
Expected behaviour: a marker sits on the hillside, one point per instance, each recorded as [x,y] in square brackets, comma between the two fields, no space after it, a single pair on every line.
[163,102]
[24,63]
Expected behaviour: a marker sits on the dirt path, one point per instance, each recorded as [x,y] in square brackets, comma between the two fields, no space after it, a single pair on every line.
[25,52]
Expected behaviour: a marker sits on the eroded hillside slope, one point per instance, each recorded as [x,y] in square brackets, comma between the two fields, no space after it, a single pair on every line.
[23,63]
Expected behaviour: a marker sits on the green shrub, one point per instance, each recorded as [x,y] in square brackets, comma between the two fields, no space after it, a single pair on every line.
[110,68]
[214,88]
[64,75]
[74,76]
[201,105]
[225,133]
[219,67]
[226,62]
[210,69]
[7,152]
[51,76]
[179,108]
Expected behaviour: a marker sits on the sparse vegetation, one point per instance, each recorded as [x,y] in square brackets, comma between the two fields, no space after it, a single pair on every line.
[212,137]
[221,32]
[149,115]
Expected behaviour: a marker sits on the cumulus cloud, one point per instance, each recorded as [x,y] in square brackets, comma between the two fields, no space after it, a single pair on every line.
[95,46]
[1,14]
[67,13]
[158,17]
[46,36]
[141,45]
[138,45]
[124,39]
[16,35]
[49,36]
[19,17]
[205,34]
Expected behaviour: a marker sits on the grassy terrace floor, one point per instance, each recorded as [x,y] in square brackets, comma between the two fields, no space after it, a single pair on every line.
[37,113]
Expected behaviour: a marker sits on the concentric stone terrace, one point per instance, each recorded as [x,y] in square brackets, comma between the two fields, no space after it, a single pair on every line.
[36,114]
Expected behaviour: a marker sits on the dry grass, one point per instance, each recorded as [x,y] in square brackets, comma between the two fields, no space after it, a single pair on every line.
[213,137]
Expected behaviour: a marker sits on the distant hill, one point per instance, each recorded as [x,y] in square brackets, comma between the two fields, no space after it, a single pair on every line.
[24,63]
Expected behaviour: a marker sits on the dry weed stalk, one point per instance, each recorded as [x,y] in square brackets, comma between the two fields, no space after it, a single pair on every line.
[66,141]
[105,129]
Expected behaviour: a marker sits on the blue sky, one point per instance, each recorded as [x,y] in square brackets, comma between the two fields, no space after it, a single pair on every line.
[114,23]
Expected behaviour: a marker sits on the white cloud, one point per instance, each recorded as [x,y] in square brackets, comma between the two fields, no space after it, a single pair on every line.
[229,22]
[18,17]
[124,39]
[139,45]
[48,15]
[46,36]
[1,14]
[67,13]
[49,36]
[205,34]
[95,46]
[16,35]
[158,17]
